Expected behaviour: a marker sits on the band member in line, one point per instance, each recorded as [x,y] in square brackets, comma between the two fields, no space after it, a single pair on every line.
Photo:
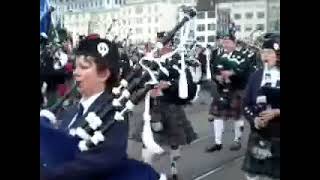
[96,73]
[230,73]
[169,122]
[262,110]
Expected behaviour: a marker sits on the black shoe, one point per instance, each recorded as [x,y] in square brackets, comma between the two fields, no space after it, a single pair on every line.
[174,177]
[215,147]
[235,146]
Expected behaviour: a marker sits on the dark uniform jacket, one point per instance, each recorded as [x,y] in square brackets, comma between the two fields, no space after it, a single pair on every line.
[98,161]
[240,66]
[270,135]
[273,96]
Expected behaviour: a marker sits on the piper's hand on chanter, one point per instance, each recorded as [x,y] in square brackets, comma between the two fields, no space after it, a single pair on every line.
[157,90]
[259,123]
[164,84]
[227,73]
[269,115]
[219,78]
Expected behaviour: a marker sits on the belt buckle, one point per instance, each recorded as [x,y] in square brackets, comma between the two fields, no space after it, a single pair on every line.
[155,102]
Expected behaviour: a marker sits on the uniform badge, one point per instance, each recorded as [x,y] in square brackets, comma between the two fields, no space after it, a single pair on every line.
[103,49]
[219,66]
[268,77]
[276,46]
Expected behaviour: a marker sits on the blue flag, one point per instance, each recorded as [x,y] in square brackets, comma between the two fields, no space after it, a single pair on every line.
[45,16]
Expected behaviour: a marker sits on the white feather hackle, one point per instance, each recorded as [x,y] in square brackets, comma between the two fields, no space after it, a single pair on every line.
[147,135]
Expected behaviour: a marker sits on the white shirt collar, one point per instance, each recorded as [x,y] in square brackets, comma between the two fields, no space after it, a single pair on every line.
[273,76]
[87,103]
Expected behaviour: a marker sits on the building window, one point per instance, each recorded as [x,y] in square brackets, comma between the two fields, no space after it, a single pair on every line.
[149,30]
[249,15]
[108,1]
[211,38]
[211,27]
[129,12]
[200,38]
[139,20]
[248,28]
[238,28]
[276,24]
[260,15]
[156,19]
[100,3]
[211,14]
[237,16]
[116,2]
[149,19]
[139,9]
[200,15]
[139,30]
[149,9]
[156,8]
[260,27]
[201,27]
[156,29]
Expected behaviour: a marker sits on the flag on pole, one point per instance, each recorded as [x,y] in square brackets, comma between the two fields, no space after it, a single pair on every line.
[45,16]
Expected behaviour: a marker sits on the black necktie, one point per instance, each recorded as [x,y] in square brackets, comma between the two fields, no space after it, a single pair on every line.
[79,116]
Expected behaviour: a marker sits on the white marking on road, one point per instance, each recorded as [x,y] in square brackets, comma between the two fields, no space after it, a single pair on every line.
[218,168]
[200,139]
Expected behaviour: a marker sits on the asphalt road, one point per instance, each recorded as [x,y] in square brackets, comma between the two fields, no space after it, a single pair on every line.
[195,163]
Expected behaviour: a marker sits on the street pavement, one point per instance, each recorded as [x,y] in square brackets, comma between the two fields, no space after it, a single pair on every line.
[195,163]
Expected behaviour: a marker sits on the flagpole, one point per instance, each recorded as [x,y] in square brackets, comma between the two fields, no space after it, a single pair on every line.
[54,28]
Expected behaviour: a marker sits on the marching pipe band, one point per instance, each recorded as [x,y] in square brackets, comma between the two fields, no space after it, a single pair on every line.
[52,160]
[93,129]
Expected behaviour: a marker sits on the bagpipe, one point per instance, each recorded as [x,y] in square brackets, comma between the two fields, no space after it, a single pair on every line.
[131,90]
[268,96]
[54,70]
[109,30]
[53,58]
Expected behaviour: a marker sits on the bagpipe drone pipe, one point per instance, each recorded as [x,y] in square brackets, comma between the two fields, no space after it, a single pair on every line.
[52,62]
[58,147]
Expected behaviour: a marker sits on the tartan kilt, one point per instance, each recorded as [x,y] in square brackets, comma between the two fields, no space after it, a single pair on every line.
[269,167]
[227,106]
[177,129]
